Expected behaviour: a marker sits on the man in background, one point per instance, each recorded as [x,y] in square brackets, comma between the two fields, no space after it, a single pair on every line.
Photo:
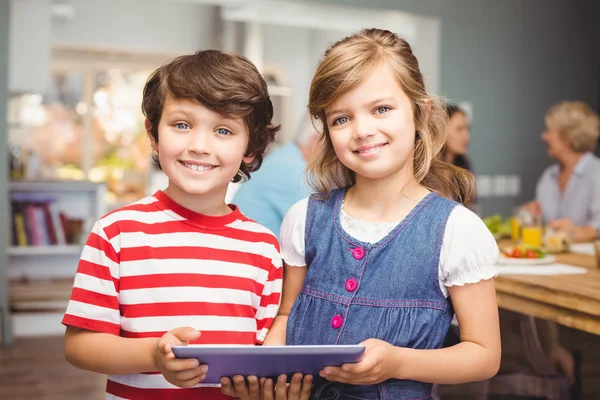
[280,182]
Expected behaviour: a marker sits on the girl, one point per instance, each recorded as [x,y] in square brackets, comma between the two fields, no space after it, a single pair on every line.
[385,260]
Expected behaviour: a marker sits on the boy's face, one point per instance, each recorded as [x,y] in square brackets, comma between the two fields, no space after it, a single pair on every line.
[199,150]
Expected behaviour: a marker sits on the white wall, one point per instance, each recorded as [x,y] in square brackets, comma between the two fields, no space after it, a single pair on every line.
[298,51]
[29,46]
[291,49]
[150,25]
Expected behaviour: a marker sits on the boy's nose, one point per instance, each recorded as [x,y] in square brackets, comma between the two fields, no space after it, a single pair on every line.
[200,142]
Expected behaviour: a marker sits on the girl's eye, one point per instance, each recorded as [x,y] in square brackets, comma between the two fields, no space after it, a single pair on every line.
[340,120]
[182,125]
[382,110]
[223,131]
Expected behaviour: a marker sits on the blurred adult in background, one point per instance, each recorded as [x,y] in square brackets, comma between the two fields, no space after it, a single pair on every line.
[458,136]
[280,182]
[568,192]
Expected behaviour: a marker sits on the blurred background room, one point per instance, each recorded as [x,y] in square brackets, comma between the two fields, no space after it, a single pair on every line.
[71,79]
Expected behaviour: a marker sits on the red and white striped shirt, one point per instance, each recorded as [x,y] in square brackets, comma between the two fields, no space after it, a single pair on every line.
[154,266]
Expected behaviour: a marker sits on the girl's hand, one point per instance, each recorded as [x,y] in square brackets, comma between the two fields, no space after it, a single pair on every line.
[179,372]
[298,389]
[377,365]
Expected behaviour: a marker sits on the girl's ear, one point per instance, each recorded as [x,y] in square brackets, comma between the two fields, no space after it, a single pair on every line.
[428,105]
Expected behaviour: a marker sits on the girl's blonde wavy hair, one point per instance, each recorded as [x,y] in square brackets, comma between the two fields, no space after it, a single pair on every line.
[344,66]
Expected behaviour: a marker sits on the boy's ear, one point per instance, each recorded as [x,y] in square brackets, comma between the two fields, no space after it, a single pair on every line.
[148,127]
[248,159]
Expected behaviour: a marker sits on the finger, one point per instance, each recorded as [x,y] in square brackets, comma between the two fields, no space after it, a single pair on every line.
[337,374]
[165,346]
[281,388]
[190,382]
[239,384]
[185,334]
[295,386]
[359,367]
[177,365]
[345,377]
[306,387]
[191,374]
[254,387]
[268,389]
[227,387]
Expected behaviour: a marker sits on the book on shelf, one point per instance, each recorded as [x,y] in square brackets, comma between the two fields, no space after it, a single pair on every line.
[37,221]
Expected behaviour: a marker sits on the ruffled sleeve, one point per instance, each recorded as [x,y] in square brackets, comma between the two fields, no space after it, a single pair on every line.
[291,236]
[469,251]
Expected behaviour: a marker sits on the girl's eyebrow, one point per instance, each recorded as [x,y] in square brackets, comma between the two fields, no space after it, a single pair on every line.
[336,111]
[370,104]
[381,100]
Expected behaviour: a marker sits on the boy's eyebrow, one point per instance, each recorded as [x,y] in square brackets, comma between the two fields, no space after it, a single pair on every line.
[177,112]
[370,104]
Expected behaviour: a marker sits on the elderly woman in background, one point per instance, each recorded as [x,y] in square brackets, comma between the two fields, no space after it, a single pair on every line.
[568,192]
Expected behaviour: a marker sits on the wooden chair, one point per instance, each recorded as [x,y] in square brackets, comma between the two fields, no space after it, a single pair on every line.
[539,379]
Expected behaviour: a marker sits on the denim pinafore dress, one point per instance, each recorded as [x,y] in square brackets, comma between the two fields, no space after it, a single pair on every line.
[387,290]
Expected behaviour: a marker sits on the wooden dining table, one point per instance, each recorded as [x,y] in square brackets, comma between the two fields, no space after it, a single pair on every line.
[569,300]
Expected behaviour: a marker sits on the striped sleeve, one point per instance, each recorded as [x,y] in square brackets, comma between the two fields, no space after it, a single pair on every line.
[94,303]
[270,299]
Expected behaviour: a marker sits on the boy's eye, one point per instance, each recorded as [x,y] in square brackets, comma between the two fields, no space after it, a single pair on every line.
[382,110]
[340,120]
[223,131]
[182,125]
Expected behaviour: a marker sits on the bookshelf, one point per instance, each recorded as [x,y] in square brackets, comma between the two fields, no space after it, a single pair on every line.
[43,250]
[40,275]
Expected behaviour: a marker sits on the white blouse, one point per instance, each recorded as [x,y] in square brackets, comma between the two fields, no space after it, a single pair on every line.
[468,255]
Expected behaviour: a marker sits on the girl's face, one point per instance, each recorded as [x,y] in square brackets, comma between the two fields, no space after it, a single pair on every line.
[458,135]
[372,127]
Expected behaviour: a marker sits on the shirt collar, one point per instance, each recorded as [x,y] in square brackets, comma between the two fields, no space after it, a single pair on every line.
[583,163]
[579,168]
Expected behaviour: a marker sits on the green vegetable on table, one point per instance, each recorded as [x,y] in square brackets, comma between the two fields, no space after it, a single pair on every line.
[498,227]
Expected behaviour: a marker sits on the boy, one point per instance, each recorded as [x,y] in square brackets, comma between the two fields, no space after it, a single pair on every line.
[181,266]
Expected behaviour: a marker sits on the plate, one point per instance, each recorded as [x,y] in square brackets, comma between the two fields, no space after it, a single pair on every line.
[548,259]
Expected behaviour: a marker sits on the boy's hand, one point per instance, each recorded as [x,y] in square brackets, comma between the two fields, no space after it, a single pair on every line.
[179,372]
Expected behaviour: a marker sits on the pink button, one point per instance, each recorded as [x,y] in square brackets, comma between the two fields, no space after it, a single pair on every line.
[336,321]
[358,253]
[351,285]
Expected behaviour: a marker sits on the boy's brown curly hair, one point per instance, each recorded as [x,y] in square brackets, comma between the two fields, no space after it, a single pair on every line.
[226,83]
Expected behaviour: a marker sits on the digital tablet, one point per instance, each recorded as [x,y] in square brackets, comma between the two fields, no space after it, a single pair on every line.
[268,361]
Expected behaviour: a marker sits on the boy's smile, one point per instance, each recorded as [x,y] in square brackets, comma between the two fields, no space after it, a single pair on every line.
[198,167]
